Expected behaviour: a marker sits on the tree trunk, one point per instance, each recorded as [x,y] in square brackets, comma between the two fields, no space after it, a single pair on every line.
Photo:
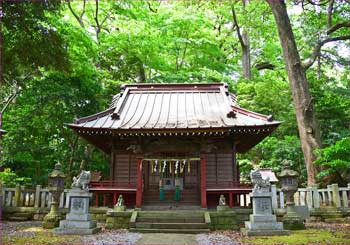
[308,129]
[1,45]
[246,56]
[244,42]
[246,50]
[0,136]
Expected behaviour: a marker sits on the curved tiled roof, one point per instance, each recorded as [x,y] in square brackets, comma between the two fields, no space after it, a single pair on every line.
[177,109]
[180,106]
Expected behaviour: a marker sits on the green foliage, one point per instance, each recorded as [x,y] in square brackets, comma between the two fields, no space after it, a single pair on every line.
[37,135]
[9,178]
[272,151]
[61,69]
[335,161]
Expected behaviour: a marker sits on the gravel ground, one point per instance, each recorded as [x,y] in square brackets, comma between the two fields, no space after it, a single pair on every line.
[112,237]
[20,229]
[30,229]
[215,238]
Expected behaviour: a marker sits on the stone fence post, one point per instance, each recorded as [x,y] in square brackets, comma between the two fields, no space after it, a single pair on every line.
[335,195]
[309,198]
[274,197]
[37,196]
[315,196]
[17,196]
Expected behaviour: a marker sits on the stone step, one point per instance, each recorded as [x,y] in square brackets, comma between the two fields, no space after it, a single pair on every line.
[20,216]
[180,231]
[179,226]
[170,206]
[170,220]
[172,214]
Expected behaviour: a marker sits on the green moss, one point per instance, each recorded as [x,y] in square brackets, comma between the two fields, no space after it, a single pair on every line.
[41,236]
[304,237]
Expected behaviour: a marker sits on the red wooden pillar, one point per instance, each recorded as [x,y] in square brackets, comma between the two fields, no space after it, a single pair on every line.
[104,200]
[114,198]
[96,199]
[139,183]
[203,181]
[230,200]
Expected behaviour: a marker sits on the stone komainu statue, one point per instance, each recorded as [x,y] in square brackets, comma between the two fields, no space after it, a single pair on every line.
[82,180]
[260,184]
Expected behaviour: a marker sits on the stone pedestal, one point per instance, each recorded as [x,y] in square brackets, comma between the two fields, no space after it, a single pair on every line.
[118,220]
[292,220]
[262,221]
[119,208]
[222,208]
[78,220]
[52,219]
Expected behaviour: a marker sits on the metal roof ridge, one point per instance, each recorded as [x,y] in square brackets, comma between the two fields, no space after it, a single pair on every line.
[256,115]
[172,84]
[94,116]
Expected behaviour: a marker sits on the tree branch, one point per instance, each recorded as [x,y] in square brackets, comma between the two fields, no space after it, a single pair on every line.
[98,27]
[337,26]
[78,18]
[264,66]
[150,7]
[104,20]
[316,52]
[240,38]
[330,13]
[9,100]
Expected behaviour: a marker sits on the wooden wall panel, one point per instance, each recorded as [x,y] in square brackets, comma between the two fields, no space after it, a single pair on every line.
[211,167]
[219,167]
[125,168]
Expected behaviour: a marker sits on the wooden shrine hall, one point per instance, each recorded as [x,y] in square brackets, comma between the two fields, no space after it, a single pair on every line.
[173,144]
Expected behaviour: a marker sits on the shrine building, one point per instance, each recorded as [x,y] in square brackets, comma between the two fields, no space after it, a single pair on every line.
[173,144]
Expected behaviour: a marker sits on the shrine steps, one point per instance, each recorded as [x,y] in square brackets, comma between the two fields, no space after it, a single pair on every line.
[191,222]
[188,197]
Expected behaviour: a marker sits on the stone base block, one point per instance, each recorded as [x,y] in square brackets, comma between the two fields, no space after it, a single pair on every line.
[49,224]
[294,226]
[119,208]
[73,216]
[223,208]
[262,218]
[264,232]
[293,222]
[76,231]
[336,220]
[51,221]
[73,224]
[264,226]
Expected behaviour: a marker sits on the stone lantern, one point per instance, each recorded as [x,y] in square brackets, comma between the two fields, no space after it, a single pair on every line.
[56,187]
[289,185]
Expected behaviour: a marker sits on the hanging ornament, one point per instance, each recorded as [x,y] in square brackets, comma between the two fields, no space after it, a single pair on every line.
[164,166]
[176,166]
[188,167]
[170,167]
[155,166]
[183,166]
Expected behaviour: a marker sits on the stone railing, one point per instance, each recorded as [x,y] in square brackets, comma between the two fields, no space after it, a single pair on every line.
[38,197]
[312,197]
